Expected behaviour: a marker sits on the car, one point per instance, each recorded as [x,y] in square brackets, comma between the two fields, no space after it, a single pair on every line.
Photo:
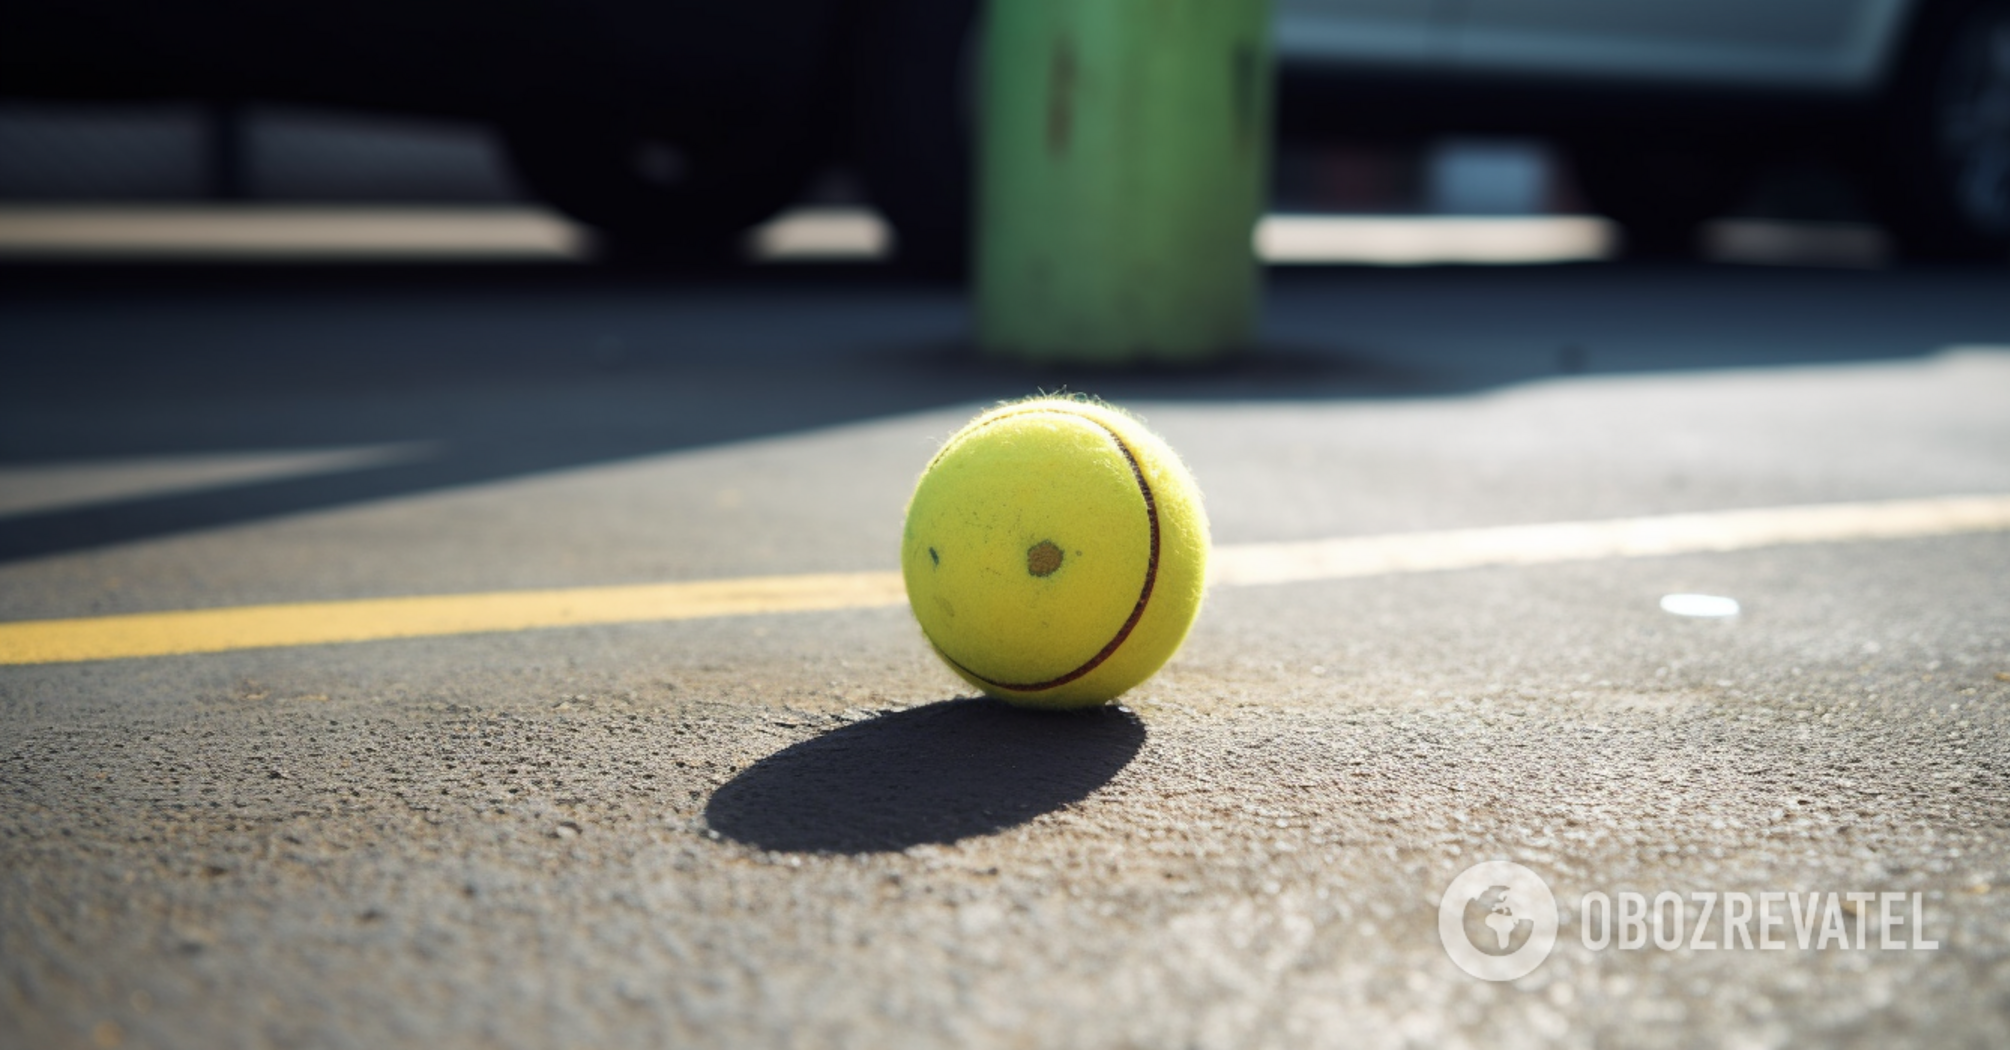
[1665,110]
[675,122]
[682,123]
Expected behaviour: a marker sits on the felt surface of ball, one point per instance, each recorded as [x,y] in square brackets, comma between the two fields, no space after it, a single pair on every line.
[1055,552]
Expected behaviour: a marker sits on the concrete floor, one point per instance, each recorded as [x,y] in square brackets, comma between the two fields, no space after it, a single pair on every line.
[790,829]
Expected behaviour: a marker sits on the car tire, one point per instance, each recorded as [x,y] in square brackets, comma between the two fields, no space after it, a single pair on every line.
[914,127]
[651,190]
[1943,175]
[1659,192]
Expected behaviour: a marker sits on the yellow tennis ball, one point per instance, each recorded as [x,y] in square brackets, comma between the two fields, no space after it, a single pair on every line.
[1055,552]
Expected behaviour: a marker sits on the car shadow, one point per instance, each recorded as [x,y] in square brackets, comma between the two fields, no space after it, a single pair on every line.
[933,774]
[504,373]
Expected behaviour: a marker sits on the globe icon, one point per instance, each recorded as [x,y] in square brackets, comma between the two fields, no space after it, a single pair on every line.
[1497,920]
[1492,924]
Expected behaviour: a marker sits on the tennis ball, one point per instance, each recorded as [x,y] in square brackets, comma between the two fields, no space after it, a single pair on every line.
[1055,552]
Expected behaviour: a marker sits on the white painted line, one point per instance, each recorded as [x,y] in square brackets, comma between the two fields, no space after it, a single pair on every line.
[374,232]
[1258,563]
[253,231]
[1428,240]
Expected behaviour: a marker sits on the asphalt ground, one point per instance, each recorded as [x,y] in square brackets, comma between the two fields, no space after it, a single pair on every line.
[797,829]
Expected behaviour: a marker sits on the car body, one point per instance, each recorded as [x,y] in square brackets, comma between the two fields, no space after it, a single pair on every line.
[1828,46]
[1666,110]
[683,121]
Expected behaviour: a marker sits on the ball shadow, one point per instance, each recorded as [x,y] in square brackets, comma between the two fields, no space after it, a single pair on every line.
[932,774]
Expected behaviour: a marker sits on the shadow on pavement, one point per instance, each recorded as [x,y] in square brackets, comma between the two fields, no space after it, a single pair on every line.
[933,774]
[507,372]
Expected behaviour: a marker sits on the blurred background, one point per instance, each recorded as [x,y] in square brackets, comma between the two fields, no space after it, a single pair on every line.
[1813,132]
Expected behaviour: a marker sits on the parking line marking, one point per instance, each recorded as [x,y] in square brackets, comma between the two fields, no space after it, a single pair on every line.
[1729,530]
[421,616]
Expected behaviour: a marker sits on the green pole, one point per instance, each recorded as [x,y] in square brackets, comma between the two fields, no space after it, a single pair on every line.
[1122,167]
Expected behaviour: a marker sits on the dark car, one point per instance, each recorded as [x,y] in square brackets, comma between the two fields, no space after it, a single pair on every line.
[1666,109]
[685,122]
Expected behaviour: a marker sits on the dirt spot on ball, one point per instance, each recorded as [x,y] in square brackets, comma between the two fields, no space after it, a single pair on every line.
[1043,558]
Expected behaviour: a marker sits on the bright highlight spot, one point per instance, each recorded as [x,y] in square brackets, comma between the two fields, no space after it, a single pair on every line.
[1432,240]
[822,233]
[1699,605]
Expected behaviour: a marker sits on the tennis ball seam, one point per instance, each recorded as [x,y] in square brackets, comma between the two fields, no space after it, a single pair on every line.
[1144,594]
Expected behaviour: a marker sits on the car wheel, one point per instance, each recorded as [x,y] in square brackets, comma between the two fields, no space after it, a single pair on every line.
[1944,177]
[914,122]
[649,188]
[1660,193]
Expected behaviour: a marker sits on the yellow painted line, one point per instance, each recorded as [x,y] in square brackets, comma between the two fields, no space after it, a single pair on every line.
[374,619]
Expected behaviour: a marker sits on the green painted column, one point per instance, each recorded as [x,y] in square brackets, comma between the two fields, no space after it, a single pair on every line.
[1122,166]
